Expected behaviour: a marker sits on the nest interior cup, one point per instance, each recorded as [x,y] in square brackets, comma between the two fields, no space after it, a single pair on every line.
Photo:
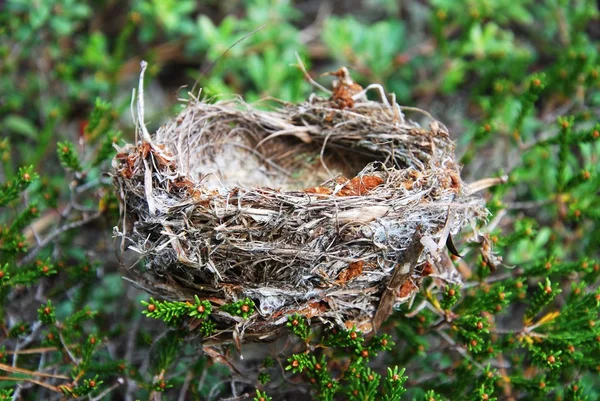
[303,208]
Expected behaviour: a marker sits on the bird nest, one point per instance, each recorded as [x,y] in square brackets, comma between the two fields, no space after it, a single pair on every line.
[334,208]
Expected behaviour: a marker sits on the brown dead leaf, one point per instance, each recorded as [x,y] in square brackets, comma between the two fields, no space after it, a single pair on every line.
[427,269]
[344,88]
[319,191]
[360,185]
[406,289]
[354,269]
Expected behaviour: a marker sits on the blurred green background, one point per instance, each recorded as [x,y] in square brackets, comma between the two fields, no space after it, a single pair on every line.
[498,73]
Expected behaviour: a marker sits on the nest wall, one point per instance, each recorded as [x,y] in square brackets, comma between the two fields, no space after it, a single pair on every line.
[303,208]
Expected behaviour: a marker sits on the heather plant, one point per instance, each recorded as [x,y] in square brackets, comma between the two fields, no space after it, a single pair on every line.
[516,83]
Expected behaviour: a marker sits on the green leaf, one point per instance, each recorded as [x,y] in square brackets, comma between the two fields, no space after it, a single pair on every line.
[20,125]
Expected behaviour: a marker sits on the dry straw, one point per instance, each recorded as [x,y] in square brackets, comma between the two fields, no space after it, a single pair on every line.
[334,208]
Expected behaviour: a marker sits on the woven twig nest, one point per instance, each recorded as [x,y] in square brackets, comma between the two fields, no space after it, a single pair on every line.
[305,208]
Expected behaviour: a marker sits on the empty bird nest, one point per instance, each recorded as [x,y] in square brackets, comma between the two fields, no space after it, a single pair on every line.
[334,208]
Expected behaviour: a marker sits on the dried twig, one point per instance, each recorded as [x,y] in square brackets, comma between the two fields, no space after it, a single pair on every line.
[55,234]
[205,70]
[104,393]
[309,78]
[402,272]
[487,183]
[140,103]
[34,381]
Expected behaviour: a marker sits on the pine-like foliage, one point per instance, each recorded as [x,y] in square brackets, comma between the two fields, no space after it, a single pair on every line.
[516,82]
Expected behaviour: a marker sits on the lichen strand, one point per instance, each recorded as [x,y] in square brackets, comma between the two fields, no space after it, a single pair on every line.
[251,203]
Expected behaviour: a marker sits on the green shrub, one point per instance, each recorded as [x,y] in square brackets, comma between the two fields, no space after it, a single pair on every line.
[517,83]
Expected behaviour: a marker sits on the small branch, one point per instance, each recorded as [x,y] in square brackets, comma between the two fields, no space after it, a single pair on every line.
[458,348]
[378,88]
[487,183]
[401,273]
[186,385]
[140,103]
[215,389]
[108,390]
[493,279]
[32,351]
[33,381]
[313,31]
[504,374]
[211,65]
[157,395]
[31,255]
[528,204]
[11,369]
[66,348]
[309,78]
[236,398]
[417,110]
[133,117]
